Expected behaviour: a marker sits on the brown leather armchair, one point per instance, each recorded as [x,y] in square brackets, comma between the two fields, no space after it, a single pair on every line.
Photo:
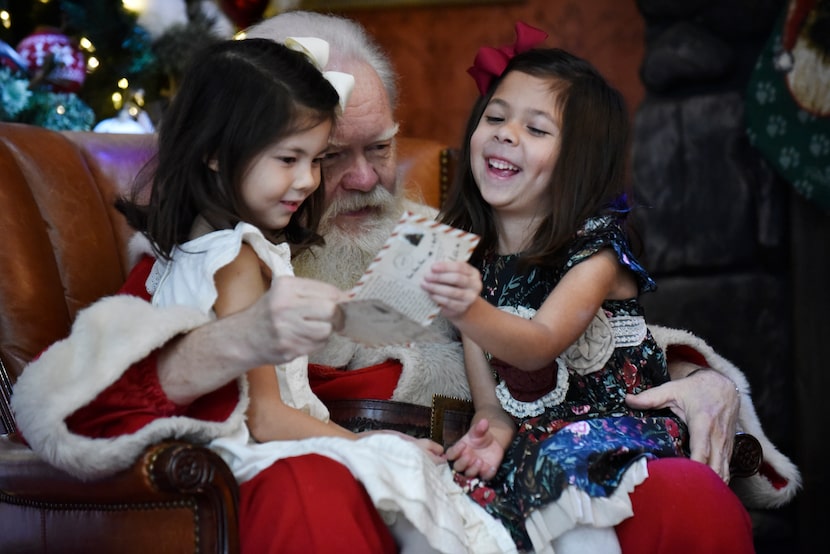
[65,247]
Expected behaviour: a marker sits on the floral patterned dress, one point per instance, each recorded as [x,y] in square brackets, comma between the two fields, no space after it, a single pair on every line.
[574,429]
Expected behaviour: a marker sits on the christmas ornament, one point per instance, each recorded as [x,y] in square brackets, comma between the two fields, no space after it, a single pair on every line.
[787,105]
[805,54]
[244,13]
[9,57]
[54,58]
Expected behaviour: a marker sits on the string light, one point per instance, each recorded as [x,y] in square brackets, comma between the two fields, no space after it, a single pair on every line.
[123,83]
[117,100]
[86,44]
[92,62]
[135,6]
[5,19]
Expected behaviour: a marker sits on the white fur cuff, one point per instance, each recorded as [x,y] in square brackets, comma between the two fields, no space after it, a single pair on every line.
[106,339]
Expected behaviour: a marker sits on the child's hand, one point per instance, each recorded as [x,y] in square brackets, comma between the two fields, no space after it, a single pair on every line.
[477,453]
[454,286]
[432,449]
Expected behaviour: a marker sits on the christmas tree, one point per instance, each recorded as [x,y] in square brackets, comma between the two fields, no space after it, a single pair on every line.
[70,64]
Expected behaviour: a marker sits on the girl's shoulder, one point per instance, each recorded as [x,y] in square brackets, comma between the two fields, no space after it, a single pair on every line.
[595,234]
[230,240]
[195,263]
[601,232]
[222,236]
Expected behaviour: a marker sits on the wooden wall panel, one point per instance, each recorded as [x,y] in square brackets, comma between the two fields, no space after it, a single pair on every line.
[432,47]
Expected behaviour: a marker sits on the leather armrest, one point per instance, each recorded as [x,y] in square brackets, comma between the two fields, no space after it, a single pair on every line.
[174,482]
[164,468]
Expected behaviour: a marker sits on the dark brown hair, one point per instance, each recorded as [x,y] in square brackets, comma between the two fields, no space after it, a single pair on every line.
[236,98]
[590,171]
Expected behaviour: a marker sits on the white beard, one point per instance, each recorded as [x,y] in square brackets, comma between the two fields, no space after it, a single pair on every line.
[428,369]
[348,252]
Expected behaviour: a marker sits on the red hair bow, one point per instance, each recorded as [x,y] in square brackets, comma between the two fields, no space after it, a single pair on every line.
[490,62]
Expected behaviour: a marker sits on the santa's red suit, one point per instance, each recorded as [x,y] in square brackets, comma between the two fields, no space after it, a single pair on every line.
[311,503]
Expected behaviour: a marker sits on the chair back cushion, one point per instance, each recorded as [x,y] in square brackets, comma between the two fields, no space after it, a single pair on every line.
[63,241]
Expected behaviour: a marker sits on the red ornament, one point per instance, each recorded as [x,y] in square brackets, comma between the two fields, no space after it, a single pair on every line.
[244,13]
[49,51]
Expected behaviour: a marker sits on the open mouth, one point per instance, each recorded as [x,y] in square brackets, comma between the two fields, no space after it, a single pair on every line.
[359,212]
[502,167]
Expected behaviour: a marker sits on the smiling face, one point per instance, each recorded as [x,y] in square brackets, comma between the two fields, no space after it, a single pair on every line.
[514,148]
[283,176]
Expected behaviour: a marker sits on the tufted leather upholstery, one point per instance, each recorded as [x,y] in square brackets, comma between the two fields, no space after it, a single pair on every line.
[64,247]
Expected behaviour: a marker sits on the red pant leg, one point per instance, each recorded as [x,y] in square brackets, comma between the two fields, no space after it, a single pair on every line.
[309,505]
[684,508]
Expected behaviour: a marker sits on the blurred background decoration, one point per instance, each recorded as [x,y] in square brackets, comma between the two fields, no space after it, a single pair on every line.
[72,64]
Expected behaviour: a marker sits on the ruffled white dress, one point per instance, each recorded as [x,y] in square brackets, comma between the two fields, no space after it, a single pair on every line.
[399,477]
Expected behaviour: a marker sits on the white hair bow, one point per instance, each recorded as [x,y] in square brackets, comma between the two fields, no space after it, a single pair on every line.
[317,50]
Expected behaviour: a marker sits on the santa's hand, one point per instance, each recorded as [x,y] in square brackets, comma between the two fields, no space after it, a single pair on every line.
[708,403]
[295,318]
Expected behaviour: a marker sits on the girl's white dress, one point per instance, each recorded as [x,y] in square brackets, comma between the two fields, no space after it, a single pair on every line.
[399,477]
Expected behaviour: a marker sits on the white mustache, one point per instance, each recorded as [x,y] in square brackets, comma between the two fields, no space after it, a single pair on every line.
[378,197]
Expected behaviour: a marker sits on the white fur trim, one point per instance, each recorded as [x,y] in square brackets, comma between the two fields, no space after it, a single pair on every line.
[755,491]
[73,371]
[432,368]
[137,246]
[427,368]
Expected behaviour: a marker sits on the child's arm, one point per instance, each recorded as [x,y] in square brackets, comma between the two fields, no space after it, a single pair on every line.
[559,322]
[239,284]
[480,451]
